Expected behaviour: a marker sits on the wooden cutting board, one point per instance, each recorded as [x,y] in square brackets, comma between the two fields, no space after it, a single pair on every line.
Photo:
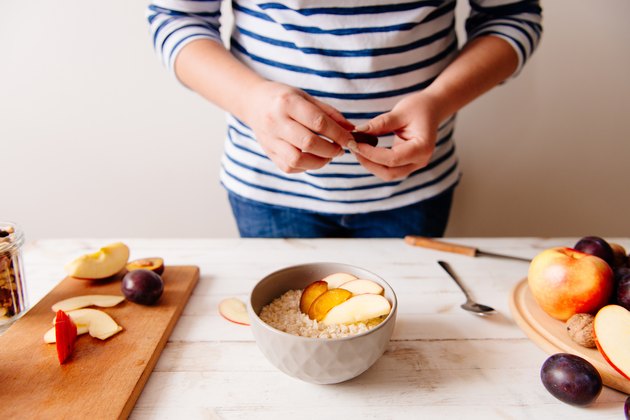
[551,335]
[103,379]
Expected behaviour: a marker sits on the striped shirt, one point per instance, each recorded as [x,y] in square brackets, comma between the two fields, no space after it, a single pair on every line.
[361,57]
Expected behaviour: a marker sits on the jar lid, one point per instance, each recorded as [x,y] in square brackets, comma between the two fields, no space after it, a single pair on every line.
[11,237]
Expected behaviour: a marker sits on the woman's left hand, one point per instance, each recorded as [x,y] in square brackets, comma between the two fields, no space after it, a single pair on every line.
[414,120]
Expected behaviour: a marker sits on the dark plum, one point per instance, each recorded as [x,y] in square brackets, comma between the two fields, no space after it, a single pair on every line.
[142,286]
[626,408]
[154,264]
[597,246]
[361,137]
[620,272]
[619,254]
[622,292]
[571,379]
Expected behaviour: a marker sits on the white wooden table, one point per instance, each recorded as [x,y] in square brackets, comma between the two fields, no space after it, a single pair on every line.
[441,362]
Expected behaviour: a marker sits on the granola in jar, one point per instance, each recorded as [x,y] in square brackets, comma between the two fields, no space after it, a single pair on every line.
[12,287]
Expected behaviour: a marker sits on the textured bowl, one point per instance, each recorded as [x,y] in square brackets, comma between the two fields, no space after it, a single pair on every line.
[317,360]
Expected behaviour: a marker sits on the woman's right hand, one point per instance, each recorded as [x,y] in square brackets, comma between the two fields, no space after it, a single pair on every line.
[290,125]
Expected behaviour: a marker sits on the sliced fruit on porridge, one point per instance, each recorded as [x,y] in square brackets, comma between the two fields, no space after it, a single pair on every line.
[357,309]
[312,292]
[325,302]
[336,279]
[362,286]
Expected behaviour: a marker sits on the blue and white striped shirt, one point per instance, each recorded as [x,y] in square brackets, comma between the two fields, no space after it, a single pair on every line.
[361,57]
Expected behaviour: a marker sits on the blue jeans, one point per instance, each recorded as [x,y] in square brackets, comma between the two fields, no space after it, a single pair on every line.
[259,220]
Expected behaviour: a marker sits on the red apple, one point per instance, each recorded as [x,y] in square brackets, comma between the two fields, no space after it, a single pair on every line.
[565,282]
[612,337]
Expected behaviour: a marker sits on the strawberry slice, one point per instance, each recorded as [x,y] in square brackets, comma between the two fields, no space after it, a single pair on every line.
[65,335]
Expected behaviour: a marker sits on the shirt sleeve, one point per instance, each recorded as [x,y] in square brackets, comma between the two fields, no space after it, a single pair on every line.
[175,23]
[517,22]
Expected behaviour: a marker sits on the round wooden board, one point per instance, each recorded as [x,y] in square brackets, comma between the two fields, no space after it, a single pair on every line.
[551,335]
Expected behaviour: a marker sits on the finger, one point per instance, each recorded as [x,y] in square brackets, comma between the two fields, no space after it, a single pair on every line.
[405,153]
[292,160]
[333,113]
[315,119]
[382,124]
[385,173]
[307,141]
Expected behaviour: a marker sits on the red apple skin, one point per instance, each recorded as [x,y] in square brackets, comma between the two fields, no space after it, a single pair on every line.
[608,360]
[565,282]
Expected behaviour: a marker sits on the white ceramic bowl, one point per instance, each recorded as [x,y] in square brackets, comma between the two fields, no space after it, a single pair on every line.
[317,360]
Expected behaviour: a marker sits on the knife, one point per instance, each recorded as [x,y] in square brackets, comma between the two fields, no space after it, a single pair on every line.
[455,248]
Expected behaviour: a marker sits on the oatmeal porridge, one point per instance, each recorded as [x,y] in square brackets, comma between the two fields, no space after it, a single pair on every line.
[284,314]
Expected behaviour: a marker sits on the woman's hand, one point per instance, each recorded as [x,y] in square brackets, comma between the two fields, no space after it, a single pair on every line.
[290,126]
[414,120]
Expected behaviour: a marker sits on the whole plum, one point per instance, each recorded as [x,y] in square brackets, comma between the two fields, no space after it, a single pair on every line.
[361,137]
[571,379]
[142,286]
[620,272]
[626,408]
[622,293]
[597,246]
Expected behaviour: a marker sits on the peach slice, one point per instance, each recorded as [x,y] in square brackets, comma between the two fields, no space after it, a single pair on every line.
[326,301]
[234,310]
[310,293]
[357,309]
[337,279]
[78,302]
[154,264]
[362,286]
[101,264]
[612,337]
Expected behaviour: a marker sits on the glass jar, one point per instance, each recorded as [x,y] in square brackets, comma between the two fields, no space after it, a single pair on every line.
[13,299]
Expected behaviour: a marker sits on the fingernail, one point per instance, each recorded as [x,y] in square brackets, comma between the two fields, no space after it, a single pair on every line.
[364,127]
[352,145]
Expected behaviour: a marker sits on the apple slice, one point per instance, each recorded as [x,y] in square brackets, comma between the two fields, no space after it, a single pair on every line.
[337,279]
[101,264]
[100,325]
[51,338]
[357,309]
[234,310]
[612,337]
[325,302]
[310,293]
[78,302]
[362,286]
[65,336]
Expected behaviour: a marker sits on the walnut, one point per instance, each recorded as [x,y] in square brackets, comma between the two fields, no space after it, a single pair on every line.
[580,329]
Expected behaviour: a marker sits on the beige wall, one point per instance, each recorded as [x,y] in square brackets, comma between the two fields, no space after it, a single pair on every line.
[96,140]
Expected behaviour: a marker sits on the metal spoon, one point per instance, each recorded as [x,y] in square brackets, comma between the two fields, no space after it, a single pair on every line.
[470,305]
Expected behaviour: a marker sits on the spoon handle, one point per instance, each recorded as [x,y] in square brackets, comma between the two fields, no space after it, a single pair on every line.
[451,273]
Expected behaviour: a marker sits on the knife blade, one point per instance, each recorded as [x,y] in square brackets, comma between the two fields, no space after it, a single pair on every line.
[456,248]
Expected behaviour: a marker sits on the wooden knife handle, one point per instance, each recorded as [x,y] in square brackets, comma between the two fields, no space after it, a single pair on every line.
[440,246]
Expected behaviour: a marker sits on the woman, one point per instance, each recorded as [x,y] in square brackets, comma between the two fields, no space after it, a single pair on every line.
[300,76]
